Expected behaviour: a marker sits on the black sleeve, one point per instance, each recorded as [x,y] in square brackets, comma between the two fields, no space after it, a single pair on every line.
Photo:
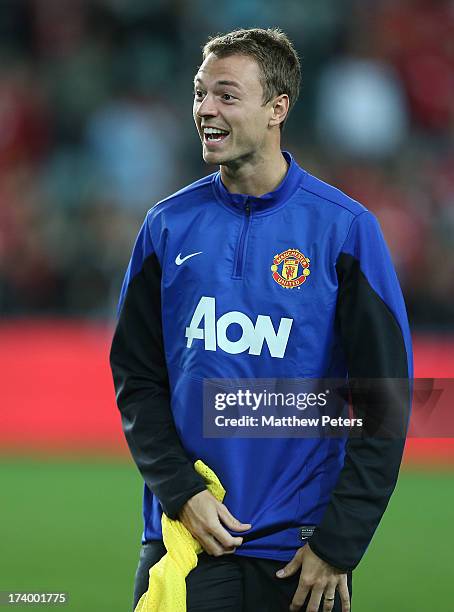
[374,347]
[141,382]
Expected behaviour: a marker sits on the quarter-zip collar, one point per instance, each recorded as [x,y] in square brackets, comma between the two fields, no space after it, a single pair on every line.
[268,202]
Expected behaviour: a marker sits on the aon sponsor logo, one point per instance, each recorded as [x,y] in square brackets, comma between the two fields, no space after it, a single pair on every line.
[204,327]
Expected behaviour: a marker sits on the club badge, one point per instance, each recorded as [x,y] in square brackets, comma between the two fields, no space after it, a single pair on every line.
[290,269]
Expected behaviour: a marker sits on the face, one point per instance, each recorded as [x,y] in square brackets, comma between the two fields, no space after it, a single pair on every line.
[228,96]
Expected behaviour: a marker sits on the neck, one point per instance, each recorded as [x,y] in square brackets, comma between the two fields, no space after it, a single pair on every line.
[255,176]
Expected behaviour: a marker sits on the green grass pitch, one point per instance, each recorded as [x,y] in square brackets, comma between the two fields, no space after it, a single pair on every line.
[75,526]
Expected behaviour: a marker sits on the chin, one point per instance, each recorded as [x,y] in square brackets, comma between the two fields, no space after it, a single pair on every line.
[214,157]
[221,158]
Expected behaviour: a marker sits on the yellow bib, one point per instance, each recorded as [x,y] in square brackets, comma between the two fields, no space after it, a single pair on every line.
[167,585]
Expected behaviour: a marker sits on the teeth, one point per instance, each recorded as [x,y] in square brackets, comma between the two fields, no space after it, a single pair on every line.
[214,131]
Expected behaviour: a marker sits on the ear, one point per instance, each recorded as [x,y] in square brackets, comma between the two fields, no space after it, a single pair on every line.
[279,110]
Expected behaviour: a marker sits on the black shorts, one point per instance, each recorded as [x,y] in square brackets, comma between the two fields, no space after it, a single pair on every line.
[229,583]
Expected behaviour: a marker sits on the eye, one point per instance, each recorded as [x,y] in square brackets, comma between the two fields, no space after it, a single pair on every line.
[227,97]
[198,94]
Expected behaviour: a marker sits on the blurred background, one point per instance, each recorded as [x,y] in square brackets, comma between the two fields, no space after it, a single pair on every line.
[95,127]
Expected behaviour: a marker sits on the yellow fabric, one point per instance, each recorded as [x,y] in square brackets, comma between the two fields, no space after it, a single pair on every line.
[167,584]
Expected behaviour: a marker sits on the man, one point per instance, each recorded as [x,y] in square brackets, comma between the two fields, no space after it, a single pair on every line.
[206,296]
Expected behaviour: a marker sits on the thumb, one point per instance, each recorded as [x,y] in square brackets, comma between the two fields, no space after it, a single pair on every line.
[230,521]
[291,568]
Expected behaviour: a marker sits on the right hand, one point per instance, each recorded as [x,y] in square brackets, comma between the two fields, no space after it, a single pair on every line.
[202,515]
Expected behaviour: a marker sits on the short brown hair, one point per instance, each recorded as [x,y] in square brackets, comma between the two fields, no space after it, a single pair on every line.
[273,52]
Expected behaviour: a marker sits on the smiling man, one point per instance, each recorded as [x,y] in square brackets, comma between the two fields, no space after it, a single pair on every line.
[239,120]
[255,271]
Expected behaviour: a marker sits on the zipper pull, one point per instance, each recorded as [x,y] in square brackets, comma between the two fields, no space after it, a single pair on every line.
[248,210]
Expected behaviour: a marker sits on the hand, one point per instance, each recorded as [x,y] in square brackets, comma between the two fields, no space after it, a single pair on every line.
[318,577]
[202,515]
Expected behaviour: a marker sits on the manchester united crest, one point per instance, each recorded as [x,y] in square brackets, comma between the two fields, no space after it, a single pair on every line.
[290,269]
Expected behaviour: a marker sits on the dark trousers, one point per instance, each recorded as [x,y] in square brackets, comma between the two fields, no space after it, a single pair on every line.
[229,583]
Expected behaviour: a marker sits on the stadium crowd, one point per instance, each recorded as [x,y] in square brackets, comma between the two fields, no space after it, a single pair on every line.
[96,126]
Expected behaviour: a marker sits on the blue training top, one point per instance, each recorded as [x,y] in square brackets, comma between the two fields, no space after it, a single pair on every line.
[297,283]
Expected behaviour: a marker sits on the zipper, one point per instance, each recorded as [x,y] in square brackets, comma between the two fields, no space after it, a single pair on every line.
[242,242]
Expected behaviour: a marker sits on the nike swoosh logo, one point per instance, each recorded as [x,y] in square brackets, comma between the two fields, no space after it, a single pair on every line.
[179,260]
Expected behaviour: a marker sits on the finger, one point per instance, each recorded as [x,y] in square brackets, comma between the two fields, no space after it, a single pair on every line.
[314,601]
[209,544]
[212,546]
[229,551]
[223,537]
[300,596]
[223,551]
[230,521]
[344,594]
[291,568]
[329,597]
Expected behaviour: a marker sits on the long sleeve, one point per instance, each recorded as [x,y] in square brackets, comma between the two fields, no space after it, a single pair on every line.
[374,333]
[141,382]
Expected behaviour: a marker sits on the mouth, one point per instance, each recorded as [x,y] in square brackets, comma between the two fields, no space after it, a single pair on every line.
[214,136]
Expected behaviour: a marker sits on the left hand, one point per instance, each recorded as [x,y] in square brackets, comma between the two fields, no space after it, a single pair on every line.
[316,576]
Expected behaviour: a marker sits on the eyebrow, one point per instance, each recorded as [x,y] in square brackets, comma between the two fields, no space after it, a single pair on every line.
[223,82]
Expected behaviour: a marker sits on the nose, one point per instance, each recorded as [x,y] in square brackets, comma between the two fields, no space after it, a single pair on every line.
[206,107]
